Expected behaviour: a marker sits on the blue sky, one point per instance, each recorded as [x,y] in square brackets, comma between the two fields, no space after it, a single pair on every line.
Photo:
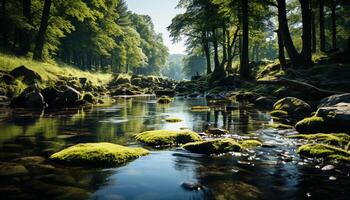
[161,12]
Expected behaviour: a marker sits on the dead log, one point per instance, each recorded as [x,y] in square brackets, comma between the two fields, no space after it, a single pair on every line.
[300,86]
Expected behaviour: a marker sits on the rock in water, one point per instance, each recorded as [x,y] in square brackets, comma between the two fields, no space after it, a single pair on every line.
[190,185]
[328,167]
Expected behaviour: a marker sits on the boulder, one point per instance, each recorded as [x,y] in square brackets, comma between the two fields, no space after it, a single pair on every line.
[50,94]
[29,98]
[164,100]
[89,98]
[334,119]
[69,97]
[264,102]
[293,106]
[335,99]
[7,79]
[29,76]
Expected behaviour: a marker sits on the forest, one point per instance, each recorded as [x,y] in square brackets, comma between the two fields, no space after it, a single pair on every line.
[231,99]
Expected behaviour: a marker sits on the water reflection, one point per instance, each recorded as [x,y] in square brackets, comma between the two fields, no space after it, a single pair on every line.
[259,174]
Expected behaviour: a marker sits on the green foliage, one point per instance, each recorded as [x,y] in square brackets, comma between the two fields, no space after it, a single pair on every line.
[213,146]
[161,138]
[97,154]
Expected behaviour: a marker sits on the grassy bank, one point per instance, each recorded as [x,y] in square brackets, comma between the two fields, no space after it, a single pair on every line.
[51,71]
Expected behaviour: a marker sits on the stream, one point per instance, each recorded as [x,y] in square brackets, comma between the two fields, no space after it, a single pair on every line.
[274,171]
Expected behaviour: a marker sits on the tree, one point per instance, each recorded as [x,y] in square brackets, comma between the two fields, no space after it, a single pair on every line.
[322,29]
[245,68]
[39,44]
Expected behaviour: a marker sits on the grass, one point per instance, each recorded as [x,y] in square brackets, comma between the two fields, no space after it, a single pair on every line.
[97,154]
[161,138]
[50,71]
[213,146]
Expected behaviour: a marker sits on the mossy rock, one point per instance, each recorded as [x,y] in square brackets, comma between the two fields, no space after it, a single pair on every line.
[245,96]
[250,144]
[164,100]
[323,151]
[173,120]
[200,108]
[293,106]
[347,146]
[89,98]
[163,138]
[281,126]
[312,125]
[213,146]
[279,113]
[97,154]
[339,139]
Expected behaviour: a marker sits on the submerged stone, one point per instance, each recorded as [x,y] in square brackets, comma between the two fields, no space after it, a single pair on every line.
[97,154]
[12,169]
[216,131]
[158,138]
[190,185]
[173,119]
[250,143]
[213,146]
[164,100]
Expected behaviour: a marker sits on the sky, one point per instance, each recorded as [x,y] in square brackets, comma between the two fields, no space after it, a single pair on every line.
[161,12]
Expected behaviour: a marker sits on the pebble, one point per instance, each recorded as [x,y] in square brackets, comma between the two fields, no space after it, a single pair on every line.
[332,178]
[190,185]
[328,167]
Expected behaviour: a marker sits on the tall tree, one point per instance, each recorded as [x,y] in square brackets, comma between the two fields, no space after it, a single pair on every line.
[322,28]
[245,68]
[40,39]
[307,36]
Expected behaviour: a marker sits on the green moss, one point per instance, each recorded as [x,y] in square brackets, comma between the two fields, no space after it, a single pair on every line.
[164,100]
[173,120]
[323,151]
[278,113]
[167,138]
[293,106]
[97,154]
[250,143]
[213,146]
[339,139]
[347,146]
[311,125]
[281,126]
[200,108]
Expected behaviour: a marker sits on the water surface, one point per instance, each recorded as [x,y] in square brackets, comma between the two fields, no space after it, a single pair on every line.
[270,172]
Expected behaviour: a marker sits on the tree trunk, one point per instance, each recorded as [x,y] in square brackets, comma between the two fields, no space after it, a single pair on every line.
[306,18]
[294,56]
[334,26]
[3,23]
[322,30]
[244,68]
[39,45]
[219,69]
[26,33]
[224,47]
[281,56]
[313,30]
[206,48]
